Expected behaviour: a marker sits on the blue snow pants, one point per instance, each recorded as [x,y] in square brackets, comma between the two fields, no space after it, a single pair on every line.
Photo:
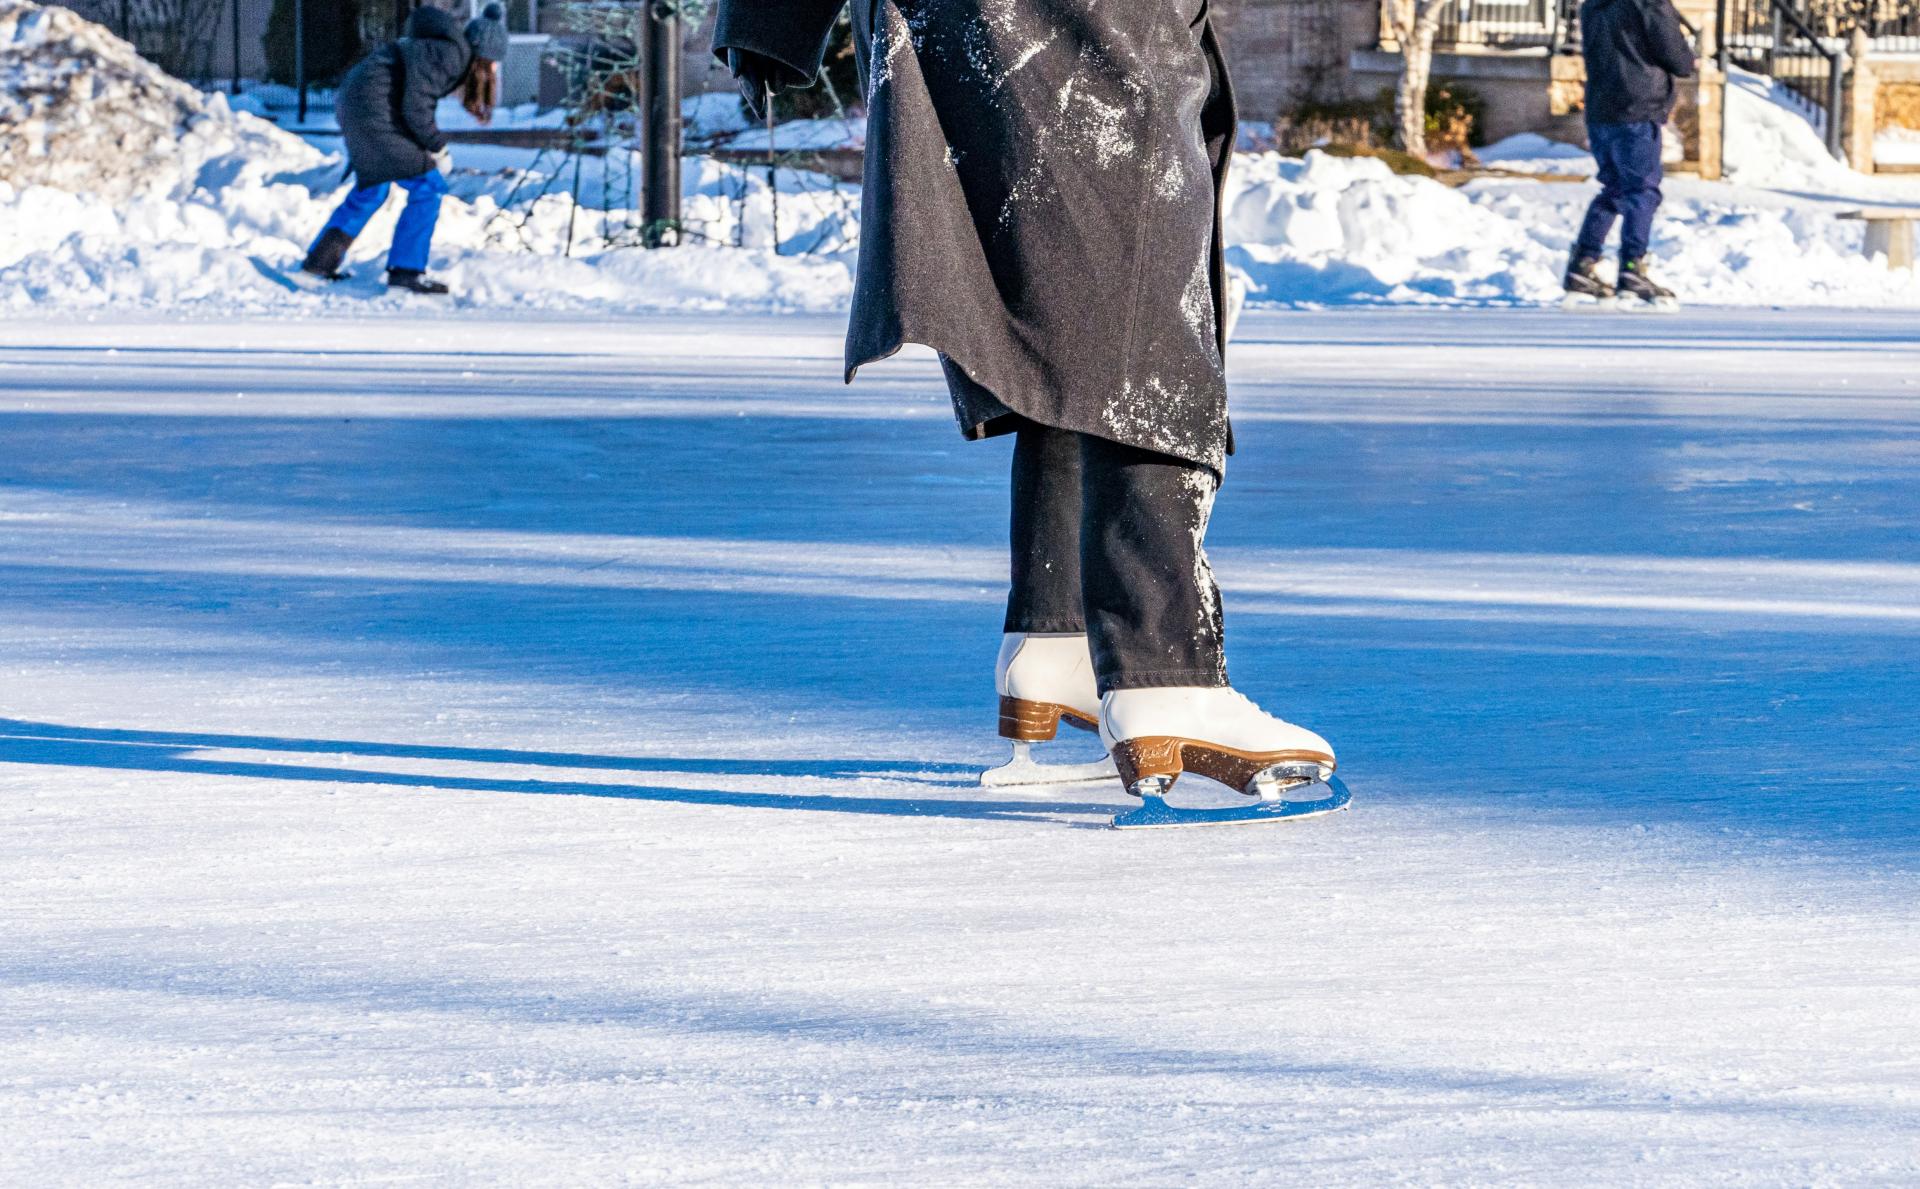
[413,235]
[1629,158]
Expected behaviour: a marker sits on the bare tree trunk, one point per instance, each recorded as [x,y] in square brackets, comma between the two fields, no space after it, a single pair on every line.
[1414,24]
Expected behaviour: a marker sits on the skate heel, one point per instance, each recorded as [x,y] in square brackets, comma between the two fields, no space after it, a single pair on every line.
[1036,722]
[1150,766]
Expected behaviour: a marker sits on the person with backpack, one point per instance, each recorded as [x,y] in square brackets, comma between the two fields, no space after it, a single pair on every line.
[386,112]
[1635,52]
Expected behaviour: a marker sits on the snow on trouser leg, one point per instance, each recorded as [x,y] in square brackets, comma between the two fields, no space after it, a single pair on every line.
[1115,529]
[1152,607]
[413,234]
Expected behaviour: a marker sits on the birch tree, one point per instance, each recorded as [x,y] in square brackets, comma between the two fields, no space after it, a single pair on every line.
[1413,24]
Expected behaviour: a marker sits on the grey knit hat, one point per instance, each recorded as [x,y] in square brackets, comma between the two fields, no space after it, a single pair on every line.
[487,33]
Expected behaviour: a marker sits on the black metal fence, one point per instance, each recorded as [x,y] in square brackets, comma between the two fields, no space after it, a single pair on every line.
[1501,24]
[1798,44]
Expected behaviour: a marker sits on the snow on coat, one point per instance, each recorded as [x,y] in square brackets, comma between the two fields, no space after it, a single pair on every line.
[1041,204]
[386,105]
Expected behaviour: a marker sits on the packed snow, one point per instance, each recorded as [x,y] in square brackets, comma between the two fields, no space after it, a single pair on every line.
[1530,152]
[541,751]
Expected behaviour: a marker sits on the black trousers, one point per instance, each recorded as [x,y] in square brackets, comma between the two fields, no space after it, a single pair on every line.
[1107,539]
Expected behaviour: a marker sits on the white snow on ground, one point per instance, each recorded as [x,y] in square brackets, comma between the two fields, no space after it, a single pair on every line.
[539,752]
[1897,146]
[794,136]
[205,204]
[1529,152]
[218,219]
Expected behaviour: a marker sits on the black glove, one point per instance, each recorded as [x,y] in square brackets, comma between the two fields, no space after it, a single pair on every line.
[758,76]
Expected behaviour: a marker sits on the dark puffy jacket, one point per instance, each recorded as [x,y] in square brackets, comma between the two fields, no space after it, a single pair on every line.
[385,106]
[1634,49]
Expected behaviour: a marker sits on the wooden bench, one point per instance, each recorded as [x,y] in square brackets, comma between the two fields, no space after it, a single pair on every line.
[1889,233]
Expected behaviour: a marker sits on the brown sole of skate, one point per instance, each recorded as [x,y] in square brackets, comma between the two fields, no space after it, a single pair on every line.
[1038,722]
[1169,756]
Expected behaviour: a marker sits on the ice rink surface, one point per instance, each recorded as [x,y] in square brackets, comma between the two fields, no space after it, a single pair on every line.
[542,752]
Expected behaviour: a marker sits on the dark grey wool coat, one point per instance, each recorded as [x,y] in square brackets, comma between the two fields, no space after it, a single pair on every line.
[1042,204]
[385,106]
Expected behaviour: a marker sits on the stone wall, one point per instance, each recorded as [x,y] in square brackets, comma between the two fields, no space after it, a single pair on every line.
[1282,51]
[1518,88]
[1896,98]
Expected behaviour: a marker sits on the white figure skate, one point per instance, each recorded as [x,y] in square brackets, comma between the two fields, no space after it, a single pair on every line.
[1155,735]
[1044,679]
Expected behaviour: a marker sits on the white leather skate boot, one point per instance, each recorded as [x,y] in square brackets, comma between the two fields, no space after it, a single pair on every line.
[1044,679]
[1156,734]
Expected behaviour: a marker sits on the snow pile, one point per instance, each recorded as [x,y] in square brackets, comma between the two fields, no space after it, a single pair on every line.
[713,118]
[1770,141]
[799,136]
[1330,229]
[1530,152]
[1897,146]
[120,184]
[232,244]
[81,112]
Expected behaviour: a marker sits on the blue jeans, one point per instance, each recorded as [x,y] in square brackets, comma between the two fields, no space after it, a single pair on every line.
[1629,157]
[413,235]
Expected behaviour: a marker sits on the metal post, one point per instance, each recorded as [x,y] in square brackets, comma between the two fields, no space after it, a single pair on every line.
[1836,98]
[402,9]
[236,47]
[300,56]
[1720,36]
[126,20]
[1773,40]
[661,186]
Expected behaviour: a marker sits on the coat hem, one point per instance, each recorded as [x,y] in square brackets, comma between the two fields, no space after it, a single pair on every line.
[981,430]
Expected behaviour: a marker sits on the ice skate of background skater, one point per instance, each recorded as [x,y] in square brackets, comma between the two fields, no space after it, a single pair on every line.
[1635,50]
[1042,207]
[386,111]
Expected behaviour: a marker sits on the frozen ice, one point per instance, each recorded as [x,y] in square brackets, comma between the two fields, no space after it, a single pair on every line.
[545,750]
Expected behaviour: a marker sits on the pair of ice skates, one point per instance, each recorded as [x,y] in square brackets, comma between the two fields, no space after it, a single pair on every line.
[1153,736]
[1634,290]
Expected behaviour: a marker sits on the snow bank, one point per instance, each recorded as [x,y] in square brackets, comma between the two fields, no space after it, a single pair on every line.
[1529,152]
[119,184]
[81,112]
[232,244]
[798,136]
[1770,141]
[1330,229]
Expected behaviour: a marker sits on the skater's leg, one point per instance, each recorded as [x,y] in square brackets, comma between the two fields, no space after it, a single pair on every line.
[1591,243]
[351,216]
[1639,169]
[1044,674]
[1045,532]
[1153,610]
[413,234]
[329,249]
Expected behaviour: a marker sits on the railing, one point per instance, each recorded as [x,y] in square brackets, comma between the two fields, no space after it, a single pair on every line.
[1500,24]
[1778,38]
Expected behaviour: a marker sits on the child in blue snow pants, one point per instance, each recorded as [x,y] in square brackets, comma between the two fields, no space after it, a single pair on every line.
[412,235]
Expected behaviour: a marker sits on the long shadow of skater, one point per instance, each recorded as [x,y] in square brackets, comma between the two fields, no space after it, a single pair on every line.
[171,751]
